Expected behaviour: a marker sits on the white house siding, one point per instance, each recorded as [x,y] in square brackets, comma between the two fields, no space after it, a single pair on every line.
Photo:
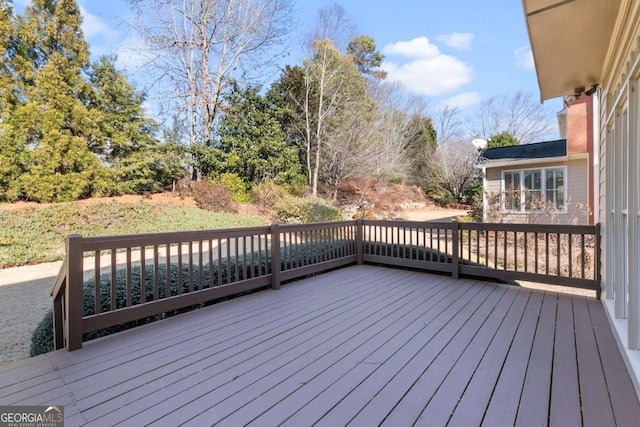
[619,182]
[577,182]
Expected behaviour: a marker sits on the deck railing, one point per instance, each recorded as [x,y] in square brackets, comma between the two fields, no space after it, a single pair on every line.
[140,276]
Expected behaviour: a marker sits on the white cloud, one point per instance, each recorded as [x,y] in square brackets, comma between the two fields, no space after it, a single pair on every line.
[463,100]
[461,41]
[423,69]
[95,28]
[420,47]
[524,58]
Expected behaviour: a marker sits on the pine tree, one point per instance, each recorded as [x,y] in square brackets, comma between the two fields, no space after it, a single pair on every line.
[13,155]
[420,144]
[50,58]
[134,160]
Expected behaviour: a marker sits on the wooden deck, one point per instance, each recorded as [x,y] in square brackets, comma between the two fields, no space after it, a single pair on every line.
[362,345]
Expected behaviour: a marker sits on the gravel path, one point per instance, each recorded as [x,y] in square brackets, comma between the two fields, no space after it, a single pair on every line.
[24,299]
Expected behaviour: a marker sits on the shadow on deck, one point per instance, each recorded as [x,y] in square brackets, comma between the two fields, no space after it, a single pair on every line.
[362,345]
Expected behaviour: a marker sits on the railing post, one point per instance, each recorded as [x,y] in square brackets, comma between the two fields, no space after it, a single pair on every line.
[74,300]
[597,255]
[455,258]
[275,256]
[58,321]
[359,241]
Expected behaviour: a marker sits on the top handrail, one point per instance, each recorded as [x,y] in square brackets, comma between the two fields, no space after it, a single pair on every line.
[149,239]
[60,280]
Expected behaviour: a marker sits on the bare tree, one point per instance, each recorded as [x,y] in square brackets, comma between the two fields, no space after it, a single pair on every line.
[323,87]
[368,136]
[449,125]
[520,115]
[326,74]
[199,46]
[396,106]
[458,161]
[333,24]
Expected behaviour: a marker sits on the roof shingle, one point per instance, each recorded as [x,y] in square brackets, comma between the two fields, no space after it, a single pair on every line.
[539,150]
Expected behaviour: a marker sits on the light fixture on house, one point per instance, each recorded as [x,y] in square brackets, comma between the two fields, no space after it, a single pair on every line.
[569,100]
[592,90]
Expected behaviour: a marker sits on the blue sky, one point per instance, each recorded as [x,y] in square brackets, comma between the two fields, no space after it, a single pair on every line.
[452,52]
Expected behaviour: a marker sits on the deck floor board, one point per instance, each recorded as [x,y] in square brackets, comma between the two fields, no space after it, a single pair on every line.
[362,345]
[565,390]
[534,408]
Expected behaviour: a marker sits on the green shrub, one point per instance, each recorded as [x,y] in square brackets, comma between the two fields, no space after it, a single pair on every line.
[447,200]
[42,336]
[236,185]
[296,210]
[298,186]
[394,180]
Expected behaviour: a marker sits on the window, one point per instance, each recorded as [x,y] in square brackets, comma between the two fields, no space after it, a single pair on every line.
[534,190]
[512,191]
[555,188]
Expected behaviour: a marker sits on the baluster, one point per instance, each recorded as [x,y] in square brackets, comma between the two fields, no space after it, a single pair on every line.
[179,268]
[515,251]
[558,271]
[210,267]
[156,278]
[168,268]
[200,266]
[570,237]
[128,278]
[228,260]
[546,251]
[236,260]
[143,275]
[582,254]
[114,284]
[190,266]
[220,267]
[537,252]
[254,254]
[96,284]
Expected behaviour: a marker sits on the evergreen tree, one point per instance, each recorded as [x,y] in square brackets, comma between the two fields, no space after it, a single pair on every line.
[420,144]
[12,153]
[366,58]
[252,141]
[134,160]
[504,139]
[288,95]
[51,56]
